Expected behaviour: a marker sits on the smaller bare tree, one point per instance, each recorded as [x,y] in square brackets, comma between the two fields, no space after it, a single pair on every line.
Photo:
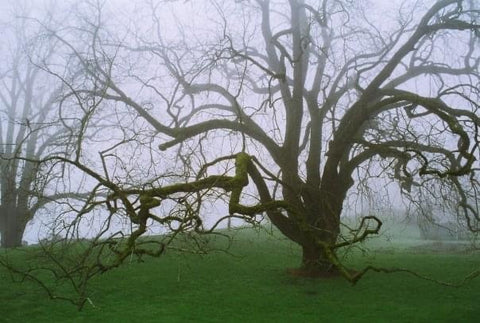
[29,130]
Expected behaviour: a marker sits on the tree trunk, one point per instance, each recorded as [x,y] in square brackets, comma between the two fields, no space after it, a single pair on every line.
[314,260]
[12,228]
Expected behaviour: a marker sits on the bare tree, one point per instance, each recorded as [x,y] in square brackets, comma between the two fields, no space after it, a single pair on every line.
[28,131]
[293,101]
[313,97]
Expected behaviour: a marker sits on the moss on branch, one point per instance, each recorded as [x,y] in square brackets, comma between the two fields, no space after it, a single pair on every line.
[234,184]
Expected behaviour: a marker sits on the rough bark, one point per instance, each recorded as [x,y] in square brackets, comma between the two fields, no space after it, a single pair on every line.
[315,262]
[316,239]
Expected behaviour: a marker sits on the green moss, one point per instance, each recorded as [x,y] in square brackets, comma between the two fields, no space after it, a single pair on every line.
[148,202]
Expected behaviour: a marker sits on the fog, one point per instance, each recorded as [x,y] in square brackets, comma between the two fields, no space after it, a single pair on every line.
[121,140]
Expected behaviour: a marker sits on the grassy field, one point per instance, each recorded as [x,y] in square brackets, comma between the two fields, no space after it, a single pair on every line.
[252,285]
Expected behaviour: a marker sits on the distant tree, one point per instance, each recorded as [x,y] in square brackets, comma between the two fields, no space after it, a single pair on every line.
[29,130]
[279,108]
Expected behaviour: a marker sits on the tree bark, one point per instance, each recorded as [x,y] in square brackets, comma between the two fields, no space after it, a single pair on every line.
[322,218]
[314,261]
[12,227]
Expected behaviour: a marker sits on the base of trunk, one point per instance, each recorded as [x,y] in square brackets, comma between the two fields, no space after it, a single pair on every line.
[315,263]
[11,237]
[12,226]
[11,241]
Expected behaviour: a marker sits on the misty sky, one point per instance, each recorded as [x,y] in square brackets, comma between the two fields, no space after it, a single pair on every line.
[382,14]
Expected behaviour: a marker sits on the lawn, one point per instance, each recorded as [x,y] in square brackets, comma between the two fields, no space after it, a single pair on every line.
[251,284]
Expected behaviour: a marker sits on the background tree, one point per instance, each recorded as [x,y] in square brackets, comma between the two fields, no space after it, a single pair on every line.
[29,130]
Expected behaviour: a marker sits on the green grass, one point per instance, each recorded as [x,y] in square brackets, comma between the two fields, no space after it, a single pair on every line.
[253,286]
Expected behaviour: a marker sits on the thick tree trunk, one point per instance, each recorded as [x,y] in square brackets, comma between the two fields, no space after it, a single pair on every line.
[323,207]
[314,261]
